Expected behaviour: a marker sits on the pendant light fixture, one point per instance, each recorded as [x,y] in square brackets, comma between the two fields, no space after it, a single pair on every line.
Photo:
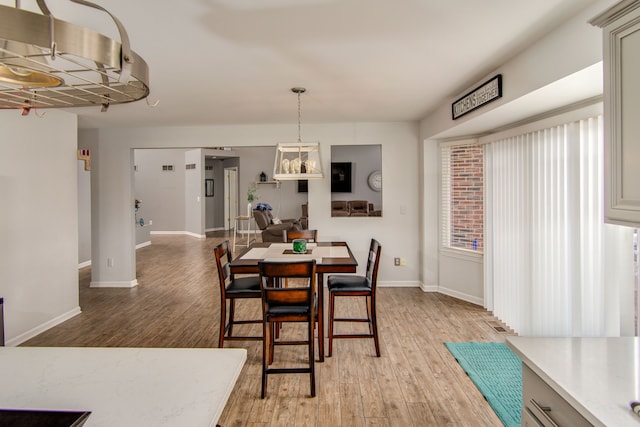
[49,63]
[297,160]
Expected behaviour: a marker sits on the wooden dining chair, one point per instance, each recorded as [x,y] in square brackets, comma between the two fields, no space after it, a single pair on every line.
[343,285]
[231,289]
[308,235]
[284,305]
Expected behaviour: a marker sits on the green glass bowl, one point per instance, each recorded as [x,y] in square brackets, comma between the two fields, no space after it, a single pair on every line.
[299,246]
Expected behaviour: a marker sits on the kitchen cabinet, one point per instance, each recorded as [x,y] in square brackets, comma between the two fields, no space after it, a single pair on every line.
[544,407]
[621,43]
[578,382]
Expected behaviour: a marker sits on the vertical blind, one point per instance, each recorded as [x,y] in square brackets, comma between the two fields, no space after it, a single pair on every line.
[445,196]
[545,234]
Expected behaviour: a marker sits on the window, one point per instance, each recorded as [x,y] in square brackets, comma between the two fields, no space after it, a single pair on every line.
[462,196]
[551,264]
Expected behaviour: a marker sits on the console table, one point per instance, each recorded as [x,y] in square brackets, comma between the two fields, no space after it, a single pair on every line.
[122,386]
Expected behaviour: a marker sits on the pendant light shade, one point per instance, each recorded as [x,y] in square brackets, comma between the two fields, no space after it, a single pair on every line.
[27,77]
[25,69]
[49,63]
[297,160]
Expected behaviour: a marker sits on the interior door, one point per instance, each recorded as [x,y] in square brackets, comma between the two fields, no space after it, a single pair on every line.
[230,197]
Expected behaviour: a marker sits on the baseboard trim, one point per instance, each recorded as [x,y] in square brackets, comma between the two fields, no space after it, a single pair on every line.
[462,296]
[130,284]
[433,288]
[42,327]
[428,288]
[143,244]
[196,235]
[407,284]
[187,233]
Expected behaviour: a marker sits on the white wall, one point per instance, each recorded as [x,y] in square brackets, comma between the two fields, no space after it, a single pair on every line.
[113,237]
[161,192]
[38,221]
[396,230]
[461,276]
[170,199]
[39,282]
[194,193]
[84,215]
[430,174]
[284,199]
[572,47]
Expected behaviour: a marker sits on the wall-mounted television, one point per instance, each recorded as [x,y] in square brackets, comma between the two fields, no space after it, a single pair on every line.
[341,177]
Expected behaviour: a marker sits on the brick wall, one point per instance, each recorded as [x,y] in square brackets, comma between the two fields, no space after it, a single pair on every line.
[467,197]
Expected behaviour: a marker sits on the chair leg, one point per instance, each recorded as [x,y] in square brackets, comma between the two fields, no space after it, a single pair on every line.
[223,323]
[312,355]
[232,310]
[374,324]
[274,329]
[266,338]
[368,303]
[331,308]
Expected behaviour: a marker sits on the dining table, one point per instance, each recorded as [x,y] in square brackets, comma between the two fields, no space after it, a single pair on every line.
[331,257]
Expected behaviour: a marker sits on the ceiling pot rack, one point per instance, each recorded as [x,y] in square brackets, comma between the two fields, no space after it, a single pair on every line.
[49,63]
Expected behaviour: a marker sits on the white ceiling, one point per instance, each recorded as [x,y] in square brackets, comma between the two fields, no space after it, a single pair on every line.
[234,61]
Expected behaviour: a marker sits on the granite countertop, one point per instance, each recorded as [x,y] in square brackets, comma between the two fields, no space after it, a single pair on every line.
[597,376]
[122,386]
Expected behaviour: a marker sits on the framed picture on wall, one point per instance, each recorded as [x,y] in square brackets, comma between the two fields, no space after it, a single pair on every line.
[303,186]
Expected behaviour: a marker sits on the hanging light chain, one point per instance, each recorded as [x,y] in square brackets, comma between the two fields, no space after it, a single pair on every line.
[299,115]
[299,90]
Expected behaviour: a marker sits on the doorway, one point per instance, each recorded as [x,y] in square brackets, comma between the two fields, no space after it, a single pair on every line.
[230,197]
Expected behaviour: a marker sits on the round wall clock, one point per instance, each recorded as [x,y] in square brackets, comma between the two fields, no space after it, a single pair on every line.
[375,180]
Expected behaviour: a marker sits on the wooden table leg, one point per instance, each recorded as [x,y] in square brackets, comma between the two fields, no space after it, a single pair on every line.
[320,287]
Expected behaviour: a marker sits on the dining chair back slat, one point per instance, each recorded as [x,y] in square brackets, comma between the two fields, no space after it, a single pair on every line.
[232,288]
[308,235]
[357,286]
[281,305]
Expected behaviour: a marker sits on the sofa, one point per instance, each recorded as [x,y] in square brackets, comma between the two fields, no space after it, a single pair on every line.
[272,232]
[339,208]
[358,208]
[353,208]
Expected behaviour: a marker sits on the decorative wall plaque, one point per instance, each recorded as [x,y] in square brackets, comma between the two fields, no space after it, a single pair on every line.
[483,94]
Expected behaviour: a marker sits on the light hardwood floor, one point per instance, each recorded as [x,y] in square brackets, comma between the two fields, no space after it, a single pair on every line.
[416,381]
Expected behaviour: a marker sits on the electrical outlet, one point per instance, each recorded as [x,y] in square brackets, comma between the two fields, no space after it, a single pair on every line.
[109,262]
[150,222]
[396,261]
